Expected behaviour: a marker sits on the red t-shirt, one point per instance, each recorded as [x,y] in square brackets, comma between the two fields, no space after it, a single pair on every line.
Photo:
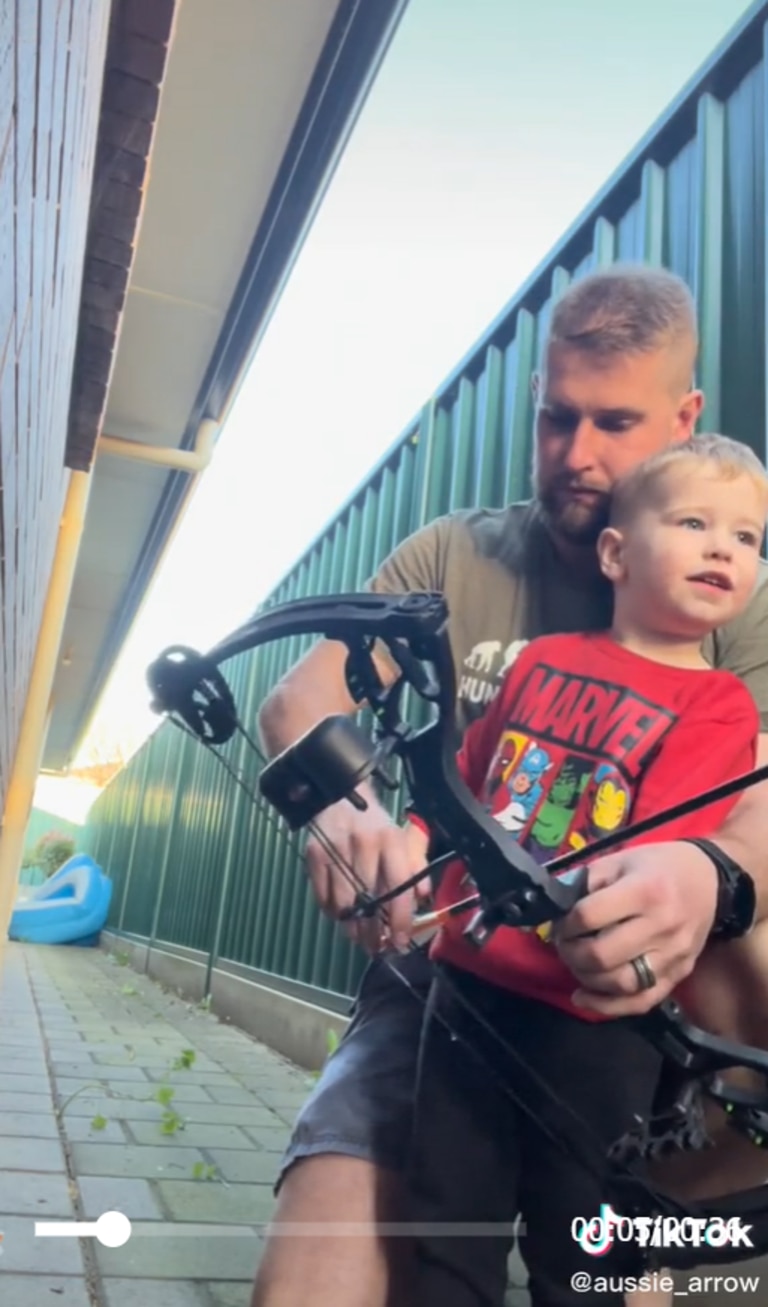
[583,738]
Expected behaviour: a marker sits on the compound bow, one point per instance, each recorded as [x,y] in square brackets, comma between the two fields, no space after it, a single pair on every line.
[336,756]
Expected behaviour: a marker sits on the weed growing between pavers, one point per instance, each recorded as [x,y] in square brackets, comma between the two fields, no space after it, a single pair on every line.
[331,1044]
[170,1120]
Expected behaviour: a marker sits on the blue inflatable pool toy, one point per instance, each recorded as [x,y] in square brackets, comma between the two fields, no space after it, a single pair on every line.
[70,908]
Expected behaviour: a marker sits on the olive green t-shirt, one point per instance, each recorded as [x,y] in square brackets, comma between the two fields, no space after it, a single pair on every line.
[505,585]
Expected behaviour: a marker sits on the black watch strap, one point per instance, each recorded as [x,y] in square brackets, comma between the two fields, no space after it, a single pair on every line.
[736,898]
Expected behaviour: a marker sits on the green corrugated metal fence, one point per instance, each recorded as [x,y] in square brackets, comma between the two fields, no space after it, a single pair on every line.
[194,863]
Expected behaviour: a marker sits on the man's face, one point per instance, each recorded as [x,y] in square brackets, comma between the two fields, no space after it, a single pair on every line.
[595,421]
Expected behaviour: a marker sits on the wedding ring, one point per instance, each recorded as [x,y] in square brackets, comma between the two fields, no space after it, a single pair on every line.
[644,972]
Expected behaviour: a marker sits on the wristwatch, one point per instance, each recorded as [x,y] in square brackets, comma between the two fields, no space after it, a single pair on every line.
[736,899]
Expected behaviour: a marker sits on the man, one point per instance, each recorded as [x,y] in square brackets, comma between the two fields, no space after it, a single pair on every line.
[614,387]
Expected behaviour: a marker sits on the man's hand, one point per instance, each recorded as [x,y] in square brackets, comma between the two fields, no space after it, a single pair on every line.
[382,854]
[654,899]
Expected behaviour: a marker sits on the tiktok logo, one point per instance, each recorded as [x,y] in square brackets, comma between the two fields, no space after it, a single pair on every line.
[596,1235]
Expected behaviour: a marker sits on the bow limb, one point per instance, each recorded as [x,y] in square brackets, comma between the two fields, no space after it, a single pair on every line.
[335,616]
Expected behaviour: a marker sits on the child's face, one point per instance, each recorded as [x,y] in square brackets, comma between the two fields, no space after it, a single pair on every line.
[689,559]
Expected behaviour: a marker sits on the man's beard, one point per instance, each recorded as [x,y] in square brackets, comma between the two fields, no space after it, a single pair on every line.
[579,521]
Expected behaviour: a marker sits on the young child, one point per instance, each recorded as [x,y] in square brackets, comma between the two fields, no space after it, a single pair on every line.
[590,732]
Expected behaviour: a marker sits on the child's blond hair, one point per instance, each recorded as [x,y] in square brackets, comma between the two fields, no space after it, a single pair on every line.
[727,458]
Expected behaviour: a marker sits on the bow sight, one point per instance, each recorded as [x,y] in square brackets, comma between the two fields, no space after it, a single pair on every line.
[330,762]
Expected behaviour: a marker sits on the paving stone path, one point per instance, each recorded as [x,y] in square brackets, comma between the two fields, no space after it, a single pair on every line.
[89,1051]
[80,1032]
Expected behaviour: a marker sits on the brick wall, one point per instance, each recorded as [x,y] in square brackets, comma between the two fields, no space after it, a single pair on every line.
[51,68]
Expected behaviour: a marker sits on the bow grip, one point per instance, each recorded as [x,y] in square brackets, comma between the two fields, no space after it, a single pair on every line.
[324,766]
[530,909]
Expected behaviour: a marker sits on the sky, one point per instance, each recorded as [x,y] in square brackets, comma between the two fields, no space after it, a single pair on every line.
[490,127]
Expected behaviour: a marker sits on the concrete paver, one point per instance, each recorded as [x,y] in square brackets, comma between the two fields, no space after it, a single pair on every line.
[31,1155]
[242,1203]
[41,1288]
[94,1071]
[212,1078]
[252,1167]
[26,1065]
[36,1194]
[80,1128]
[228,1295]
[237,1114]
[95,1102]
[151,1293]
[271,1140]
[22,1084]
[30,1125]
[148,1162]
[227,1094]
[23,1252]
[194,1134]
[132,1196]
[11,1102]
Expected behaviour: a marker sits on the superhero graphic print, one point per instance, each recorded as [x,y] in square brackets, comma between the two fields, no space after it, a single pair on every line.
[566,763]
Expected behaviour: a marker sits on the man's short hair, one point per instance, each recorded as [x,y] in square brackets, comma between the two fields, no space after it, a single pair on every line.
[726,458]
[629,309]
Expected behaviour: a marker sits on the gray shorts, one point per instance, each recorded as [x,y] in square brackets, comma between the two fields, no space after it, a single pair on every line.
[395,1092]
[362,1104]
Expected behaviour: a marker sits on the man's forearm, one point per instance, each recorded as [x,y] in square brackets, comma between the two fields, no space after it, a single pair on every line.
[285,716]
[312,690]
[744,833]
